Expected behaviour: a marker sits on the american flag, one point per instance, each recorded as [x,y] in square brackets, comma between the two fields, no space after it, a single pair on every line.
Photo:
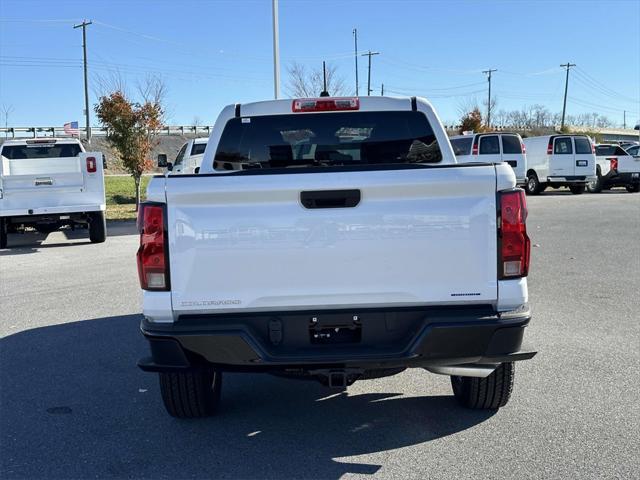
[71,128]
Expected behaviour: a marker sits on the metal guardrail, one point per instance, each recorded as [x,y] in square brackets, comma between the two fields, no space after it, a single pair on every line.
[34,132]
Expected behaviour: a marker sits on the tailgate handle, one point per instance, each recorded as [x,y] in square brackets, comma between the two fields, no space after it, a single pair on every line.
[330,198]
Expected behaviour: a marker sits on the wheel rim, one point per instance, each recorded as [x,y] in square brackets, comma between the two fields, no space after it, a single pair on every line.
[531,184]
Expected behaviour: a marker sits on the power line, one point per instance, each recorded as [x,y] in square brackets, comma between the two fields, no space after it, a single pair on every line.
[603,86]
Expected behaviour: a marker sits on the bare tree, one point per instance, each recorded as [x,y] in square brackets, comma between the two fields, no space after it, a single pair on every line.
[113,81]
[305,82]
[466,105]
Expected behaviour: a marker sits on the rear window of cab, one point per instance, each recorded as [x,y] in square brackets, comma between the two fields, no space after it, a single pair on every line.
[333,139]
[33,151]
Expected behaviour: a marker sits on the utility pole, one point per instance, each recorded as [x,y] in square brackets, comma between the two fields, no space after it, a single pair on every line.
[276,51]
[488,73]
[382,91]
[355,41]
[624,119]
[369,54]
[86,80]
[567,65]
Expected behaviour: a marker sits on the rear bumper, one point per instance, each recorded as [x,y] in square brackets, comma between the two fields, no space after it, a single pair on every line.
[616,179]
[385,339]
[52,211]
[570,180]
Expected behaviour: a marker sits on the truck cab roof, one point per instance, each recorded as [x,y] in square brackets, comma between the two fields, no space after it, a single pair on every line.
[42,140]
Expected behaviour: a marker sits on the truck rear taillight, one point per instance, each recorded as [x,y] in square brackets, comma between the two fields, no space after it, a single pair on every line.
[325,104]
[613,163]
[474,149]
[514,245]
[524,150]
[152,256]
[91,165]
[550,147]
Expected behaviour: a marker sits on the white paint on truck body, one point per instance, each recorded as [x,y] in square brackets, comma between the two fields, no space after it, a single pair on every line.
[419,236]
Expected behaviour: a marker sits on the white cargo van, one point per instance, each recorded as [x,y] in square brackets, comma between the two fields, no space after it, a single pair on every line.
[188,158]
[46,183]
[492,147]
[559,161]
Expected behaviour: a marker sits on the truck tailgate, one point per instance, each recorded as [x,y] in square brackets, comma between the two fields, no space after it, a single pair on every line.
[418,236]
[50,182]
[628,164]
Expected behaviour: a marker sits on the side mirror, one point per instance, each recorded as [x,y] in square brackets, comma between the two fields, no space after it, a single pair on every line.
[169,166]
[104,162]
[162,160]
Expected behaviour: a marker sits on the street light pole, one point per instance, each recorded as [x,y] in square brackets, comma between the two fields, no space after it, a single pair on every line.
[276,51]
[355,41]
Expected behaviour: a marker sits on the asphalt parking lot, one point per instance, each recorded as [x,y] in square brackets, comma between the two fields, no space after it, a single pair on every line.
[74,405]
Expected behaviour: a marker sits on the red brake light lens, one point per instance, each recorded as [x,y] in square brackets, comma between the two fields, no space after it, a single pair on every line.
[515,246]
[524,149]
[614,163]
[152,256]
[474,149]
[91,164]
[550,147]
[325,104]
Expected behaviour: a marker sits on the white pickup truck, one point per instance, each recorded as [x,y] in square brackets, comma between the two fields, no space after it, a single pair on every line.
[337,239]
[615,167]
[46,183]
[188,158]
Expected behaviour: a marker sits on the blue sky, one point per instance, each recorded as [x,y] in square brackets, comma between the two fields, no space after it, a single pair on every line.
[212,53]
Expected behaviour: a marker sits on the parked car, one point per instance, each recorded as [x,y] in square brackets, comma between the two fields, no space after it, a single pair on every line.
[46,183]
[615,168]
[634,150]
[353,247]
[492,147]
[559,161]
[188,158]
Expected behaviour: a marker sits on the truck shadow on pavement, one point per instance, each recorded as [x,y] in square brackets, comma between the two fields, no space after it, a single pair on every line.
[74,405]
[31,242]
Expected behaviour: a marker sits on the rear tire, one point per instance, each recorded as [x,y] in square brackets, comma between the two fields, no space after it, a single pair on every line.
[97,227]
[491,392]
[191,394]
[532,187]
[635,188]
[596,185]
[577,189]
[4,232]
